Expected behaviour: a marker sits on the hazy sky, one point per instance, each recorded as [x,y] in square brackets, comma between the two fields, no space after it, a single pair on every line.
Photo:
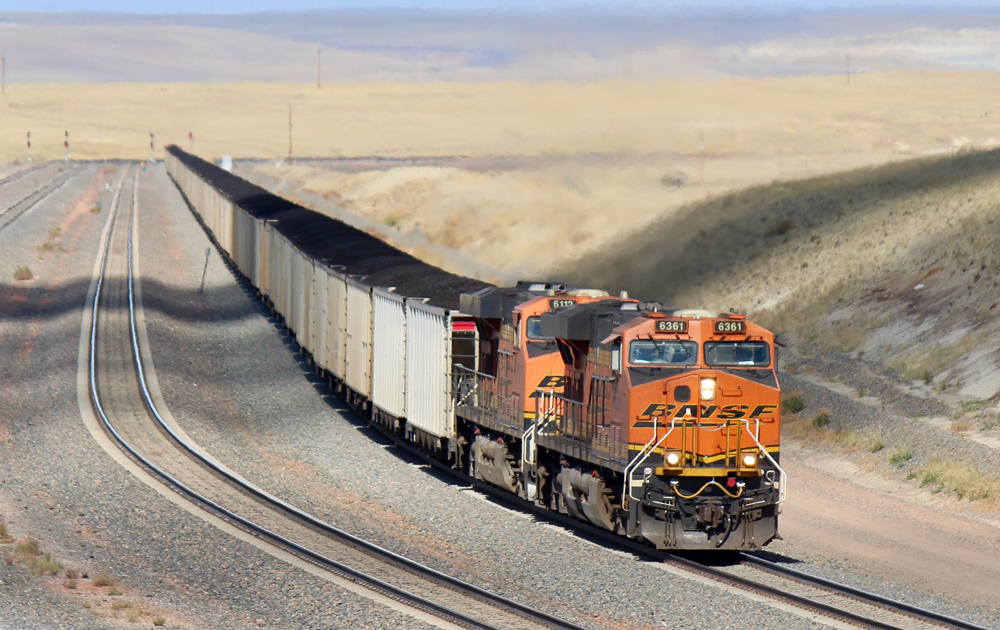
[242,6]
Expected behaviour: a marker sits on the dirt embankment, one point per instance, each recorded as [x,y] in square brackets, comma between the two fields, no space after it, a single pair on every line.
[896,265]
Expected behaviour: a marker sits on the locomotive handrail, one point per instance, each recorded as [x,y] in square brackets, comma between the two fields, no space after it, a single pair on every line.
[536,425]
[469,374]
[462,368]
[782,475]
[643,454]
[472,390]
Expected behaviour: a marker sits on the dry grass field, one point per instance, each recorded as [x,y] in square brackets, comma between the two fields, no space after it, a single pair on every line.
[563,168]
[786,121]
[898,263]
[758,194]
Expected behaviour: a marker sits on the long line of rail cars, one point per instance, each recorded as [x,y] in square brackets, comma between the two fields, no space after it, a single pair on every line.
[657,423]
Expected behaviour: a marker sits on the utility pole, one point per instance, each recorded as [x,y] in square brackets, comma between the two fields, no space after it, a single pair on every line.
[319,83]
[289,131]
[848,58]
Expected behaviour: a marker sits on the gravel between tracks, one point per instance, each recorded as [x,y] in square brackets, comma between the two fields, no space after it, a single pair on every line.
[58,485]
[230,380]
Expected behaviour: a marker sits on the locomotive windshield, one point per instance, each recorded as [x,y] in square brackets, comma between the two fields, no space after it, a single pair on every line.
[534,330]
[737,353]
[662,352]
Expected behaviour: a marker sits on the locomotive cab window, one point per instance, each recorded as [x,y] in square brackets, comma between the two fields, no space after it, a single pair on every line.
[534,330]
[737,353]
[662,352]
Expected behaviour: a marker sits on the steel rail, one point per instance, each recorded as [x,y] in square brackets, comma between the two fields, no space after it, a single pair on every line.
[866,596]
[589,531]
[53,186]
[390,590]
[22,174]
[517,503]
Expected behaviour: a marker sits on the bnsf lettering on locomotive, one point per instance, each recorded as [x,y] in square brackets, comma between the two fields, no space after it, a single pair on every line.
[552,381]
[733,412]
[671,326]
[728,412]
[730,327]
[654,410]
[690,411]
[554,304]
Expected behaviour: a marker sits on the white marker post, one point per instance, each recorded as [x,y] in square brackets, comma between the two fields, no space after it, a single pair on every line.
[66,144]
[29,146]
[152,147]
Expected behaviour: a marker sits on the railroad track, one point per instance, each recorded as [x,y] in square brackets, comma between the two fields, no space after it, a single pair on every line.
[128,413]
[752,573]
[21,174]
[866,608]
[19,208]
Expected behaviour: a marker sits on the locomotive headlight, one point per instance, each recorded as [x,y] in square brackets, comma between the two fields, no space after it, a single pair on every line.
[749,460]
[707,388]
[673,459]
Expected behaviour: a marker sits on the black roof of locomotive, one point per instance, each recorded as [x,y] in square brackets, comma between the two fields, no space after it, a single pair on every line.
[499,302]
[332,242]
[593,321]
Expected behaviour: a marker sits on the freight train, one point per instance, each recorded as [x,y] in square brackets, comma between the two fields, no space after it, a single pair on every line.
[656,423]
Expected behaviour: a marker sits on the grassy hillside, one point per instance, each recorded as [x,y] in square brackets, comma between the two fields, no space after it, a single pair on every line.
[898,264]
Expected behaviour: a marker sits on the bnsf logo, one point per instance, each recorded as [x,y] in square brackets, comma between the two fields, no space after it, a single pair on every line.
[548,382]
[663,412]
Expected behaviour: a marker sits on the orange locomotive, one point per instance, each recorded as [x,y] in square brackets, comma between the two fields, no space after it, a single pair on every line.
[666,428]
[515,362]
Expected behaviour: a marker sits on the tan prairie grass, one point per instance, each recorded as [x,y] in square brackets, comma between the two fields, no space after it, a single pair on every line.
[23,273]
[103,579]
[894,112]
[847,275]
[962,480]
[926,362]
[871,454]
[960,427]
[563,168]
[28,552]
[576,164]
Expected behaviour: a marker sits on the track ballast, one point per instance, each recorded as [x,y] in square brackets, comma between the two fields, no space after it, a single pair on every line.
[127,411]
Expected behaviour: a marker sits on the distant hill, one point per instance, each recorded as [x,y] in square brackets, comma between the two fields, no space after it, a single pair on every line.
[487,46]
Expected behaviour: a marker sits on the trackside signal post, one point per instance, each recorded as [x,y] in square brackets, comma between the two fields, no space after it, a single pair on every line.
[29,146]
[66,144]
